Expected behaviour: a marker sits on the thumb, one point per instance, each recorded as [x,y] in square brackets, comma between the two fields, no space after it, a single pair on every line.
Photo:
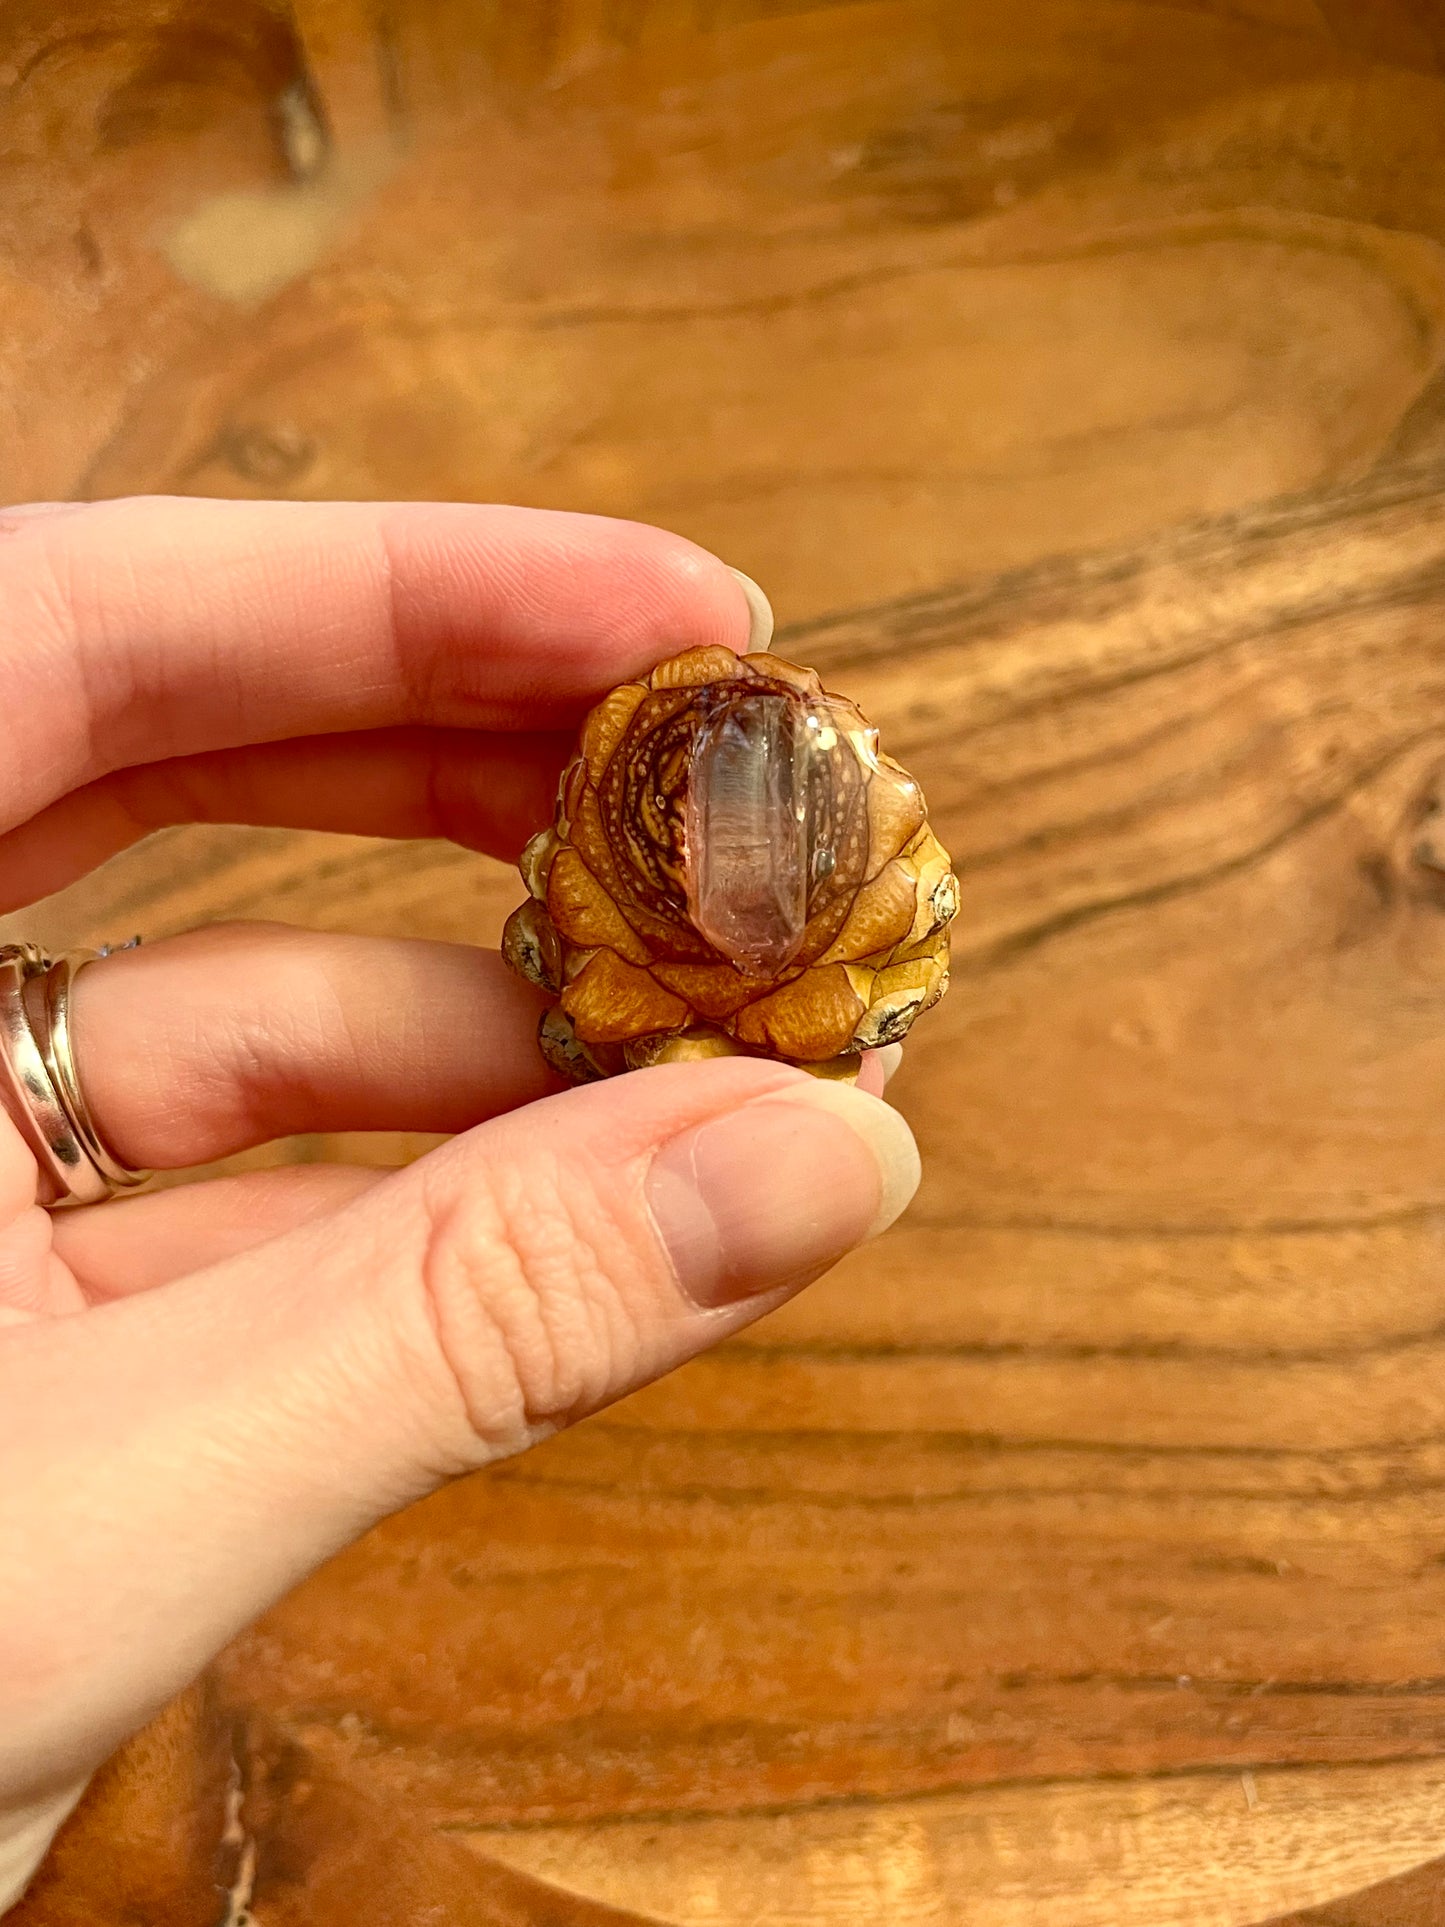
[174,1461]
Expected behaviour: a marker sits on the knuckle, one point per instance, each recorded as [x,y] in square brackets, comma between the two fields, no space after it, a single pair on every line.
[526,1276]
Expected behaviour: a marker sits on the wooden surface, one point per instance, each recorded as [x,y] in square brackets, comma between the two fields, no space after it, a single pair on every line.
[1078,1555]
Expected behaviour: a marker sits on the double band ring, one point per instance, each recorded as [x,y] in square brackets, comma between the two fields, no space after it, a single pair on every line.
[40,1086]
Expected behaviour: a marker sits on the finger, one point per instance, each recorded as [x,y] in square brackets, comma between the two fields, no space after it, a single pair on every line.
[486,790]
[225,1038]
[139,1243]
[229,1037]
[152,628]
[889,1061]
[176,1460]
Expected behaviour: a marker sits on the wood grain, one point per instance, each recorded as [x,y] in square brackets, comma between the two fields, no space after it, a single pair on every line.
[1072,376]
[1103,1461]
[149,1840]
[1192,1850]
[578,253]
[202,1819]
[1414,1899]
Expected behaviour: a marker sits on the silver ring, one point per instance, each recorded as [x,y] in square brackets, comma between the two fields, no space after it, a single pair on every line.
[40,1085]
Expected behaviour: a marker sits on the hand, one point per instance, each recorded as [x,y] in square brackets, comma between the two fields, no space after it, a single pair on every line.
[206,1391]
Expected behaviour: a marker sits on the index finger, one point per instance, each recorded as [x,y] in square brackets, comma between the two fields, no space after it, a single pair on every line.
[157,627]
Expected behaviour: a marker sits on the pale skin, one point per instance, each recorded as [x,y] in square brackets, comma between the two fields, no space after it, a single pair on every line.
[204,1392]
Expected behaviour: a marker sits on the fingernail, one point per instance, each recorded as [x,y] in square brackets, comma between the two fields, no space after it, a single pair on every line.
[771,1195]
[890,1057]
[760,610]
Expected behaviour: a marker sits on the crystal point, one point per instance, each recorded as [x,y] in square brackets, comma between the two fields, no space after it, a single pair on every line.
[747,841]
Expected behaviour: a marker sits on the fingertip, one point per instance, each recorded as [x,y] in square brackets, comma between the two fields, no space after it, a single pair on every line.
[886,1135]
[878,1069]
[569,604]
[890,1061]
[670,594]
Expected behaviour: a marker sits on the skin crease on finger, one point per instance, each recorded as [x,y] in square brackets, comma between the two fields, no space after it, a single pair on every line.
[266,1366]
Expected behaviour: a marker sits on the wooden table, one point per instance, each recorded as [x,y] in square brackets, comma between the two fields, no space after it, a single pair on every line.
[1071,375]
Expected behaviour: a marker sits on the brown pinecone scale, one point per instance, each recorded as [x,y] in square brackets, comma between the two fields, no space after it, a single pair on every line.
[734,867]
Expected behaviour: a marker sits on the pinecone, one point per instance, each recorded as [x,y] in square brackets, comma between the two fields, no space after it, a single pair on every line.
[734,868]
